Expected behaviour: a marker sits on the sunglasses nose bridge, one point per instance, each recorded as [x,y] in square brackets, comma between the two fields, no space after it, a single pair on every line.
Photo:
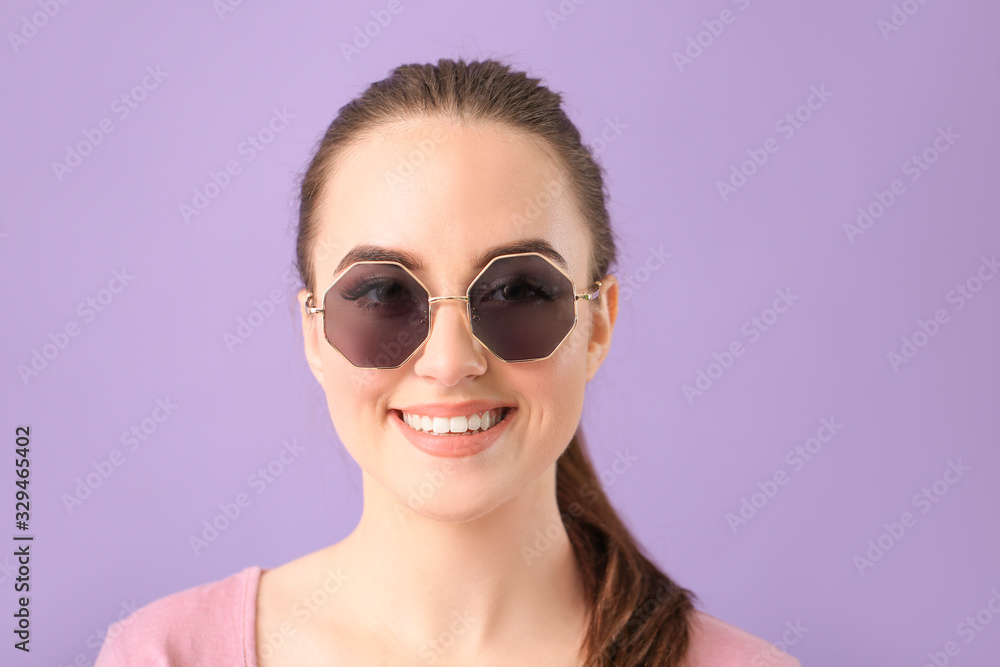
[464,298]
[441,298]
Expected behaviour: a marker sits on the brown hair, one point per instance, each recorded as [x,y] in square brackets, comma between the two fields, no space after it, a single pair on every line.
[637,615]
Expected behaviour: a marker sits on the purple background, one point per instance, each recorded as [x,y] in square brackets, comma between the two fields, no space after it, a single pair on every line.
[681,129]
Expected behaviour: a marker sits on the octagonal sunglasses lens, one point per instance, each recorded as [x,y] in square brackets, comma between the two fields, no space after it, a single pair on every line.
[522,307]
[376,315]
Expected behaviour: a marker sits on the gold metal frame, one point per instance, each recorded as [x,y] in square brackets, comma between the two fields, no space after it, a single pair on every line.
[588,296]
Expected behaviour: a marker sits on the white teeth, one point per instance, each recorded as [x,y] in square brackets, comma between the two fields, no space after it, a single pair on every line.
[473,423]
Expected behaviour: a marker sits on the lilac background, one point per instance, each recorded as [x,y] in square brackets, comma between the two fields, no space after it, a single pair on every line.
[681,131]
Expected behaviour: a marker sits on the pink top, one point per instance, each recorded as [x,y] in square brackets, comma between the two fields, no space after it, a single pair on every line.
[214,625]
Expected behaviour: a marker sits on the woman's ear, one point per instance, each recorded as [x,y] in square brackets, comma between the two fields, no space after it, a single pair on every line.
[605,313]
[312,334]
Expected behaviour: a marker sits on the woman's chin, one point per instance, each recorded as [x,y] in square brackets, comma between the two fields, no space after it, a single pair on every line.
[448,507]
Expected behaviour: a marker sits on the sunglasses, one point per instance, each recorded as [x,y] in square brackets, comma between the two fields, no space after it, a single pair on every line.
[521,307]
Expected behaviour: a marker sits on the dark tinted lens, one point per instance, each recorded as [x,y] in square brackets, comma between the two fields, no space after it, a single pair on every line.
[522,307]
[376,315]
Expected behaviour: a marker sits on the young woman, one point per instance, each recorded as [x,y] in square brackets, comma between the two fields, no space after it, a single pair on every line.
[455,251]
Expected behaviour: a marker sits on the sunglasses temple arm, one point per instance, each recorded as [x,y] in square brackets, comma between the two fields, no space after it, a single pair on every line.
[590,295]
[310,308]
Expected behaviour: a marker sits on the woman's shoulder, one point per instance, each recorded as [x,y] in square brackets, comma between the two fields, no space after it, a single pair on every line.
[715,643]
[207,624]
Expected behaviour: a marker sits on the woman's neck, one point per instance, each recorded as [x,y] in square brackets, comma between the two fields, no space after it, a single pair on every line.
[509,575]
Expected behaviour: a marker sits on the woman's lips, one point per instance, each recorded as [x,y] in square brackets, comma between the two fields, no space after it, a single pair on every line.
[453,445]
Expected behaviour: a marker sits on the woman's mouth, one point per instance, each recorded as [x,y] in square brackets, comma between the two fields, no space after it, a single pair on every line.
[478,422]
[439,436]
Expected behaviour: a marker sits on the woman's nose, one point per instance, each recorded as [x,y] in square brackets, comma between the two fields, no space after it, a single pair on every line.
[450,353]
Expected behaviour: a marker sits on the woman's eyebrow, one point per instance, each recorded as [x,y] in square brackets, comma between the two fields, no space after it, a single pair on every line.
[374,253]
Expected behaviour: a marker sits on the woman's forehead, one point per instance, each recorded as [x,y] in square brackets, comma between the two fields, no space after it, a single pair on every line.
[475,191]
[446,172]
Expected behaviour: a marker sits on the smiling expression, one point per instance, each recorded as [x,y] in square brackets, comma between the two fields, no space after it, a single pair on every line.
[443,196]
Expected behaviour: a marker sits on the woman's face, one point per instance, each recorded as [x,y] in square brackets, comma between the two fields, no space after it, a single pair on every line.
[445,194]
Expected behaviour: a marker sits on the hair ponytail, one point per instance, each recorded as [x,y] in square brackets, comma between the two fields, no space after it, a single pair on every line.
[639,616]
